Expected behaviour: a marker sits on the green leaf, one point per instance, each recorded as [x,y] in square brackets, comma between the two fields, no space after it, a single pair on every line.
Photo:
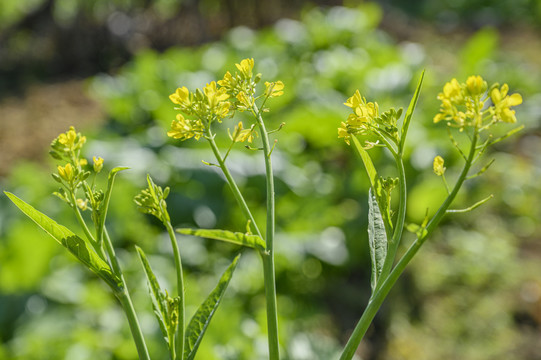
[377,238]
[253,241]
[367,161]
[157,296]
[409,113]
[77,246]
[201,319]
[102,211]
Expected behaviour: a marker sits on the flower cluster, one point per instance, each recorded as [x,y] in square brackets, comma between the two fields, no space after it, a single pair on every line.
[362,118]
[74,170]
[463,104]
[217,100]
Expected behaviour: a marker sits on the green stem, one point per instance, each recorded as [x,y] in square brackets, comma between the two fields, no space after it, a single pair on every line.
[85,228]
[180,291]
[125,300]
[232,184]
[377,298]
[399,226]
[268,256]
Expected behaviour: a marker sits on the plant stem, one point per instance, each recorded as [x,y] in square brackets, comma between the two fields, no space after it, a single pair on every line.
[399,226]
[180,291]
[377,298]
[83,225]
[268,256]
[125,300]
[232,184]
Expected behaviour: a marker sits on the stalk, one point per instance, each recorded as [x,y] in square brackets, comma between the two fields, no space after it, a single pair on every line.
[268,256]
[125,300]
[376,300]
[180,291]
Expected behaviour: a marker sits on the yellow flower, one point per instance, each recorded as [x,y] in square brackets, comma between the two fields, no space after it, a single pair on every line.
[184,129]
[355,100]
[244,100]
[214,95]
[83,162]
[98,164]
[68,138]
[438,165]
[246,67]
[82,204]
[503,102]
[241,135]
[343,132]
[228,81]
[452,91]
[67,172]
[181,97]
[274,89]
[476,85]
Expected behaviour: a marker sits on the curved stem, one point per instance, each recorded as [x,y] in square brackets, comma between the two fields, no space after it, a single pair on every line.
[268,255]
[180,291]
[376,300]
[232,184]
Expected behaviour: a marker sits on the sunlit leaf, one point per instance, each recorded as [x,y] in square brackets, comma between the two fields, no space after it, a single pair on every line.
[77,246]
[157,296]
[253,241]
[201,319]
[377,238]
[409,112]
[102,211]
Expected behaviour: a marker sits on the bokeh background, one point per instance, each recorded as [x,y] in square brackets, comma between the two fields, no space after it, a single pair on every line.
[107,67]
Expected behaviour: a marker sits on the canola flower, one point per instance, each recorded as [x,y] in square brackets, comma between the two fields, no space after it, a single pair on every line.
[464,104]
[218,100]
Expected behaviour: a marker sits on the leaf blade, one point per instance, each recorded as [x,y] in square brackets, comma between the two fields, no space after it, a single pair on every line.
[367,161]
[409,112]
[377,238]
[104,207]
[202,317]
[74,244]
[238,238]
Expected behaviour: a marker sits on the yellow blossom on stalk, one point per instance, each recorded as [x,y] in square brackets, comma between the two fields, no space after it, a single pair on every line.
[246,67]
[184,129]
[274,89]
[67,172]
[68,138]
[464,104]
[476,85]
[98,164]
[181,97]
[68,141]
[241,135]
[503,102]
[343,132]
[83,162]
[438,165]
[214,95]
[82,204]
[244,100]
[361,120]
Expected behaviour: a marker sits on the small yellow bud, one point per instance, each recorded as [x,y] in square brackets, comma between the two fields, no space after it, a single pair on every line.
[66,172]
[98,164]
[83,162]
[439,169]
[82,204]
[476,85]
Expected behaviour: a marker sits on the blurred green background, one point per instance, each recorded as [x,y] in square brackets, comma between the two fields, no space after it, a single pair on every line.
[474,290]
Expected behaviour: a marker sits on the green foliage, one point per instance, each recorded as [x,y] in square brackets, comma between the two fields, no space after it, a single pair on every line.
[377,238]
[75,245]
[242,239]
[198,324]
